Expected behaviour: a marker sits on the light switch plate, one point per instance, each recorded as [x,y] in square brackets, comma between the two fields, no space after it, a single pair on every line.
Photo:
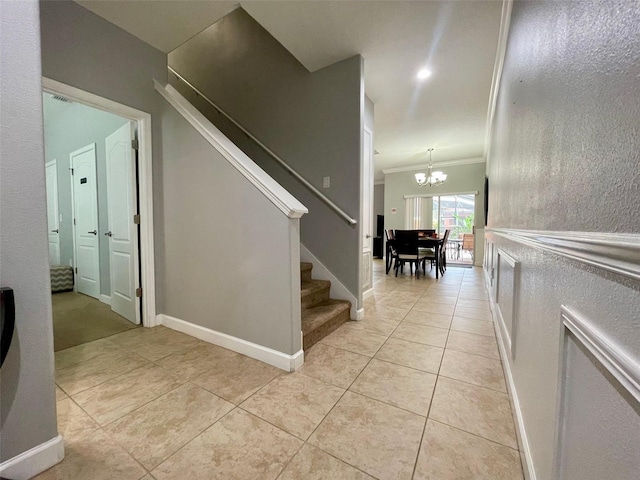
[326,182]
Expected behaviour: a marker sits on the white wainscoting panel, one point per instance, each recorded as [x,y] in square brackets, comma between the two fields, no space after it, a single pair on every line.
[598,399]
[506,295]
[523,439]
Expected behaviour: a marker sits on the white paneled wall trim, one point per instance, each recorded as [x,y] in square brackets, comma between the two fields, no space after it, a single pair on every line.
[621,365]
[508,331]
[505,355]
[615,252]
[271,189]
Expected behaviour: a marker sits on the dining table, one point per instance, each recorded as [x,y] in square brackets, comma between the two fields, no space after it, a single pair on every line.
[424,242]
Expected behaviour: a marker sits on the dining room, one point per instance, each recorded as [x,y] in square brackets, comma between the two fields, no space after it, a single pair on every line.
[447,218]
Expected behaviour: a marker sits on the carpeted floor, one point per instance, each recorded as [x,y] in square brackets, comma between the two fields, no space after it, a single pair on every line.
[79,319]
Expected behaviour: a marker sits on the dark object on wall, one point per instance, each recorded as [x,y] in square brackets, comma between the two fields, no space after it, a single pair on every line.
[486,200]
[377,247]
[7,321]
[380,226]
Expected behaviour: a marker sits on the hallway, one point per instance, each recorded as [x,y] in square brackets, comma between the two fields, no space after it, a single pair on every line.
[415,390]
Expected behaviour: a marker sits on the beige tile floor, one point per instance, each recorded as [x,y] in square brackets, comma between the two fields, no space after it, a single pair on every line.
[415,390]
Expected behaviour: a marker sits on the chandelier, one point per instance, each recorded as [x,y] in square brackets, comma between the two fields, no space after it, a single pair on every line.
[432,179]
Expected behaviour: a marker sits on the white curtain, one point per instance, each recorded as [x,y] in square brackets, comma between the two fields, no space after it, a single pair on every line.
[416,215]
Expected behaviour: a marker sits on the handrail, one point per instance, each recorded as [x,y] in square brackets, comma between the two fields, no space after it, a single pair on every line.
[271,189]
[296,175]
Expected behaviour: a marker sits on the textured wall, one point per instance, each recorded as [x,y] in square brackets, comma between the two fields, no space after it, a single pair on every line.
[566,138]
[564,156]
[228,249]
[27,409]
[311,120]
[65,131]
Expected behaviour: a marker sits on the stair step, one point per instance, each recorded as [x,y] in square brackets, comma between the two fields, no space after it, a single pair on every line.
[305,271]
[313,292]
[322,319]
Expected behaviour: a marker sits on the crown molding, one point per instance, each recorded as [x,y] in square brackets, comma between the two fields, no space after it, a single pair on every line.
[450,163]
[505,22]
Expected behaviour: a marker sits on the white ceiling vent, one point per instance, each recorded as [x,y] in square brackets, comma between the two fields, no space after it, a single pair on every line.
[61,99]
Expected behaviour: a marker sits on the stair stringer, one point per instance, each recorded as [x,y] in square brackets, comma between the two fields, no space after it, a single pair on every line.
[338,290]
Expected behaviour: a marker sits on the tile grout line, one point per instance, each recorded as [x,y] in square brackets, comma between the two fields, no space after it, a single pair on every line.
[474,434]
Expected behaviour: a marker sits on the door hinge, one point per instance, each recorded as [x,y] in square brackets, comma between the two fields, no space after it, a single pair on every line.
[139,292]
[76,269]
[74,221]
[71,171]
[134,144]
[136,219]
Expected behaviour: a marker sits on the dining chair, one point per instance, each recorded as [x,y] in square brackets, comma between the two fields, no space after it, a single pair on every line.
[407,250]
[468,242]
[443,252]
[390,249]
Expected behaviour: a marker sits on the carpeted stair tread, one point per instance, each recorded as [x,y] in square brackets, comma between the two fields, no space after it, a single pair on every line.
[313,292]
[322,319]
[305,271]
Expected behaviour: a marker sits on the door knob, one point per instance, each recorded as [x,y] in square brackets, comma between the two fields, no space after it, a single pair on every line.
[367,236]
[94,232]
[55,231]
[109,234]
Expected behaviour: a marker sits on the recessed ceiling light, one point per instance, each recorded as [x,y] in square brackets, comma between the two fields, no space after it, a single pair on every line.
[424,73]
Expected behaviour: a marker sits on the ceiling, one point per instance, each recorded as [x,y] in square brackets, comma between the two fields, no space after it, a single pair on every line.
[456,40]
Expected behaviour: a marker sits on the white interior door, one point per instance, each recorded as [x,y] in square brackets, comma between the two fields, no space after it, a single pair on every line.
[123,232]
[367,210]
[53,218]
[85,215]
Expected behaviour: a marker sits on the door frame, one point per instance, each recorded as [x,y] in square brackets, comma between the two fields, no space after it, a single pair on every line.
[54,162]
[89,147]
[367,212]
[145,184]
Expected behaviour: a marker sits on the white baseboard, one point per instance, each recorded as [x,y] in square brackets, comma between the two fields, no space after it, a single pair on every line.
[338,290]
[505,355]
[359,314]
[32,462]
[289,363]
[368,293]
[105,299]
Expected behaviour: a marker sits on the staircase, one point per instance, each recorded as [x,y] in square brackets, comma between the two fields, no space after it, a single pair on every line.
[321,315]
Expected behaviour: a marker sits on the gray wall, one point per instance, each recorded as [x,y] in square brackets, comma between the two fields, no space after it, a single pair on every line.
[460,179]
[312,120]
[564,156]
[231,254]
[67,129]
[85,51]
[27,409]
